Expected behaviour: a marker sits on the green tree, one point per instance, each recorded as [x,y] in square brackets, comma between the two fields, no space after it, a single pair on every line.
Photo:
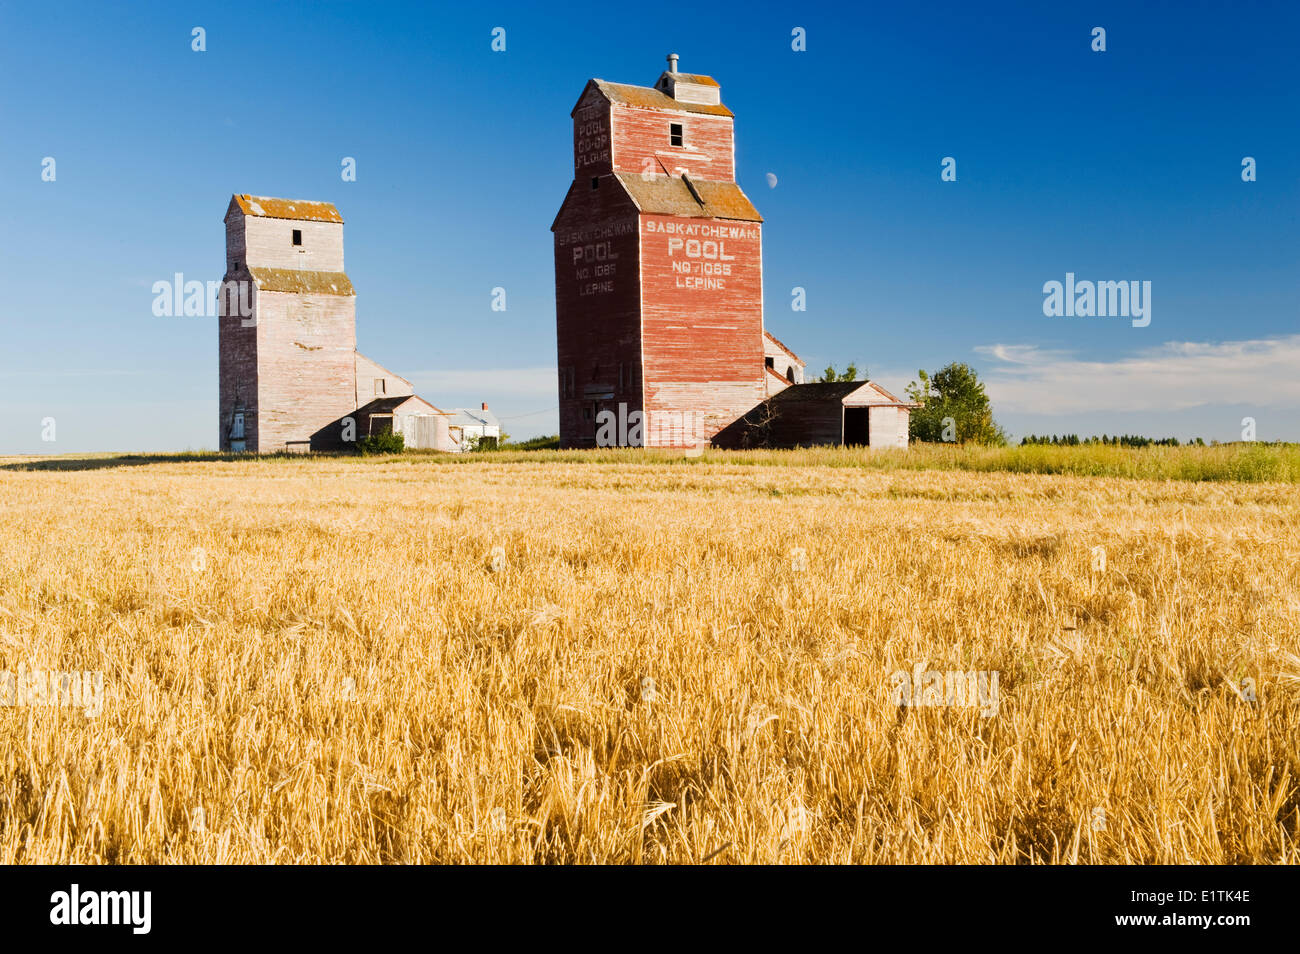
[484,442]
[954,407]
[848,374]
[919,393]
[385,442]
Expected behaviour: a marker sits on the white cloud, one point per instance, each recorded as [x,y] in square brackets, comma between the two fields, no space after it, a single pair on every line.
[1020,354]
[1174,376]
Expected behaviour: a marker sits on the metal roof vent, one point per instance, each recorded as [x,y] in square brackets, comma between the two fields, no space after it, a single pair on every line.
[689,87]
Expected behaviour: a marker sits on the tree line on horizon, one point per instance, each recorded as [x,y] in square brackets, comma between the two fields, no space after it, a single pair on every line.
[954,408]
[1112,440]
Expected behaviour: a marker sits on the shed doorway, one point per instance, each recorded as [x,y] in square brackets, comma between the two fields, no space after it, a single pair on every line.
[857,426]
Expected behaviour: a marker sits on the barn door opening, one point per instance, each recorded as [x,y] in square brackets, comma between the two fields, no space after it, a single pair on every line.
[857,426]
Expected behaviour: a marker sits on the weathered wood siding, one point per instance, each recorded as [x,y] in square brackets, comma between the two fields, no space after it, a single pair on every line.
[236,242]
[292,363]
[654,312]
[236,377]
[591,136]
[889,426]
[808,425]
[782,363]
[597,308]
[369,372]
[268,243]
[702,319]
[306,359]
[641,143]
[425,431]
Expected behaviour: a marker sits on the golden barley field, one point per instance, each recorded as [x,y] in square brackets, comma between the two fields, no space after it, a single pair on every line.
[646,659]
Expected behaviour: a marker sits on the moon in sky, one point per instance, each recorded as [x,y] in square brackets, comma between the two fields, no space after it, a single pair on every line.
[771,180]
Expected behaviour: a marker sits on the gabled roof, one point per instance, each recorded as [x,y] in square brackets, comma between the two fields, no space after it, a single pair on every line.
[273,208]
[816,392]
[473,417]
[386,373]
[848,393]
[387,405]
[672,195]
[302,281]
[777,341]
[645,97]
[873,393]
[697,78]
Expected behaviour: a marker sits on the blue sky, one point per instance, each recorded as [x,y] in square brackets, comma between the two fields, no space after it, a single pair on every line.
[1122,165]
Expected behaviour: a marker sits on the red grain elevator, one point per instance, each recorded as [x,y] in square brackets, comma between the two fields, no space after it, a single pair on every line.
[658,269]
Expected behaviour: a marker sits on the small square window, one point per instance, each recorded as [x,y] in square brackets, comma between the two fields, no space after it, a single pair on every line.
[380,386]
[595,182]
[297,236]
[770,362]
[675,134]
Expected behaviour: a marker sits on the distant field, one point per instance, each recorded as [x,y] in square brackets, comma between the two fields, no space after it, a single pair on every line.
[1254,462]
[620,657]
